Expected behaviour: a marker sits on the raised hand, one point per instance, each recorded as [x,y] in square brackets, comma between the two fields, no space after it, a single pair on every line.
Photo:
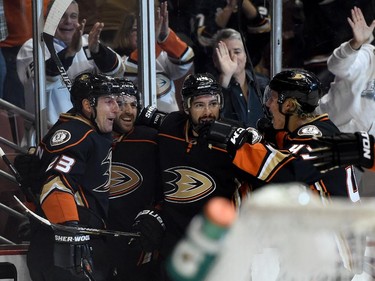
[162,22]
[94,37]
[226,64]
[76,43]
[361,31]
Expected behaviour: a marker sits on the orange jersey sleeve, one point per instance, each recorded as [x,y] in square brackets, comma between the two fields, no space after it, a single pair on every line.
[261,160]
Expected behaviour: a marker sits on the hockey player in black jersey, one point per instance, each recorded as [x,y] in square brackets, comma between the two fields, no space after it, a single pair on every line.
[135,187]
[192,170]
[75,159]
[291,98]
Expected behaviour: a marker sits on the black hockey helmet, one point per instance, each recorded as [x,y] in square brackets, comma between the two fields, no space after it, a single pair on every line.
[91,86]
[200,84]
[302,85]
[127,88]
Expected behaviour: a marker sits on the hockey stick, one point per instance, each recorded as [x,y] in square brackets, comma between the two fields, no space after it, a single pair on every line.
[55,14]
[25,190]
[76,230]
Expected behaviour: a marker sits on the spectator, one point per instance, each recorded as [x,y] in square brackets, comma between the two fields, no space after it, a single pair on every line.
[18,17]
[242,91]
[251,20]
[174,58]
[3,35]
[349,102]
[313,29]
[75,158]
[135,186]
[79,53]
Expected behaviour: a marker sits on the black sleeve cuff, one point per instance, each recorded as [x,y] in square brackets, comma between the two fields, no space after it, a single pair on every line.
[106,60]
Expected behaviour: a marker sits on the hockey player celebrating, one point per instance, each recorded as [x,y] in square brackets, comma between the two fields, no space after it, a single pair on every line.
[135,189]
[192,170]
[75,160]
[291,99]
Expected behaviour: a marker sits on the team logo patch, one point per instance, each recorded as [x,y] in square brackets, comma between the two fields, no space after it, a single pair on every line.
[309,130]
[188,185]
[124,180]
[163,84]
[60,137]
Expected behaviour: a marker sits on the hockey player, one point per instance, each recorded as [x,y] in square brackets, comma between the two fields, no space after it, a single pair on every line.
[135,188]
[75,160]
[192,170]
[291,99]
[78,53]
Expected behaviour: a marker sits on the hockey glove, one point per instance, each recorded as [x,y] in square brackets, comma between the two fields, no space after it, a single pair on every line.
[231,136]
[344,149]
[151,116]
[151,228]
[28,166]
[72,251]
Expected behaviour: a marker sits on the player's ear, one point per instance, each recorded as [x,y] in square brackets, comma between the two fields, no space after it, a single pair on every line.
[185,107]
[86,107]
[289,106]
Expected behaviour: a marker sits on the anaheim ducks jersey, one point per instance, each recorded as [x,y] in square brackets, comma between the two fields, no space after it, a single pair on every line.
[337,182]
[286,163]
[135,181]
[192,172]
[174,58]
[76,160]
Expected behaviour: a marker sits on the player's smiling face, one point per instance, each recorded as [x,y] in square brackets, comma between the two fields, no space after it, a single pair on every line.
[125,117]
[106,111]
[68,24]
[204,109]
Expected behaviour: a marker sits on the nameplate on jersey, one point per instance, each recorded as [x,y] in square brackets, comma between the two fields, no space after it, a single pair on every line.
[309,130]
[60,137]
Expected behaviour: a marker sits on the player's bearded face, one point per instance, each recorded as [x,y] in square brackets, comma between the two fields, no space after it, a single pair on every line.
[106,111]
[125,117]
[204,109]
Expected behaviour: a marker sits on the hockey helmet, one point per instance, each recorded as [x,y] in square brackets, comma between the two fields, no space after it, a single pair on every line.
[200,84]
[91,86]
[128,89]
[302,85]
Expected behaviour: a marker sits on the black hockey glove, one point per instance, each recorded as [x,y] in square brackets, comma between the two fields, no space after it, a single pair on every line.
[344,149]
[28,166]
[151,228]
[72,251]
[231,136]
[266,129]
[151,116]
